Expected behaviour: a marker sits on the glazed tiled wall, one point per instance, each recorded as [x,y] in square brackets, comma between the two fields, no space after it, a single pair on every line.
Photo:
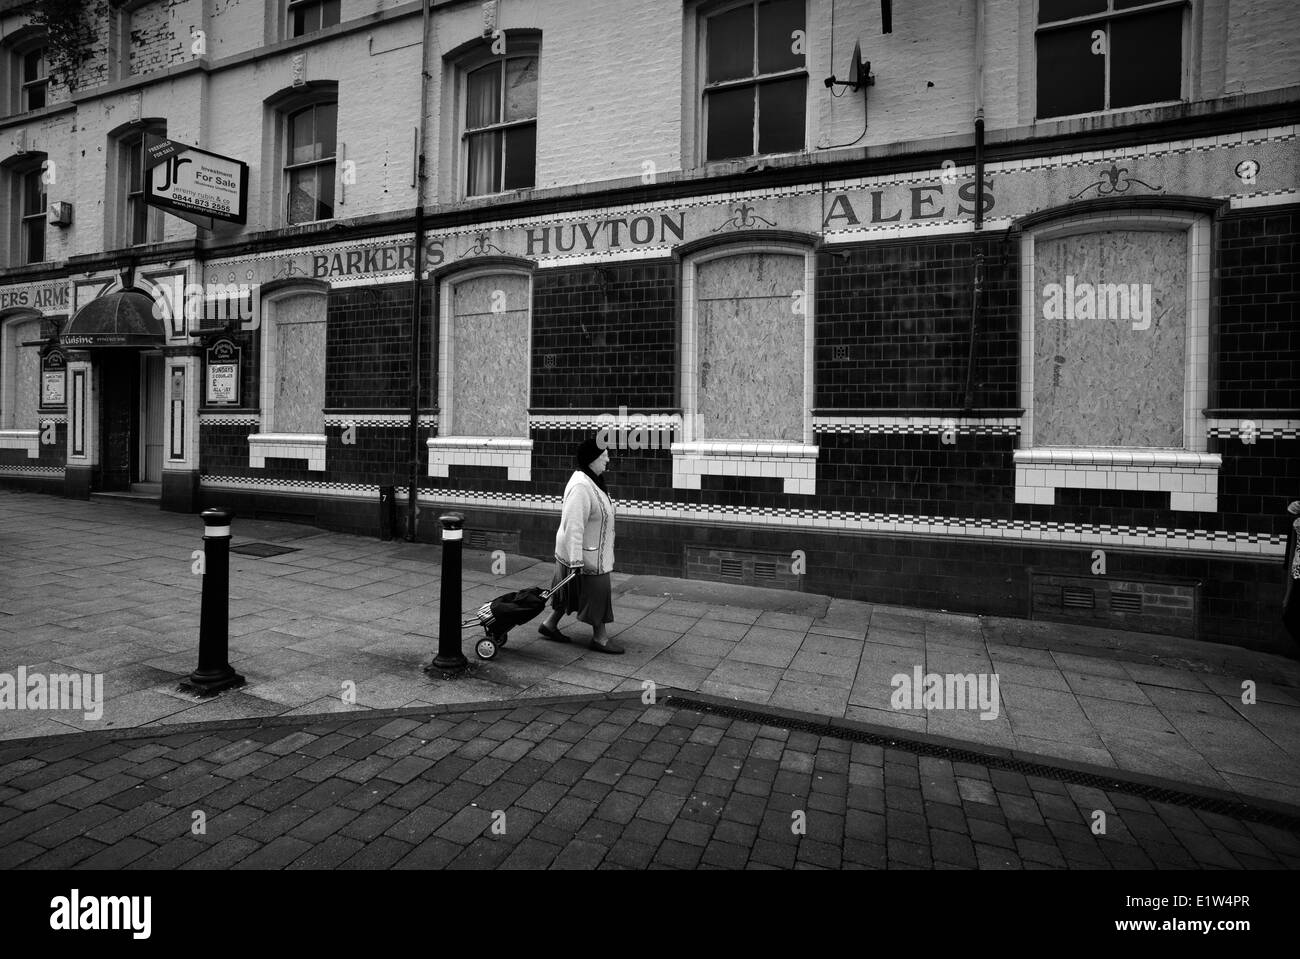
[367,358]
[902,311]
[613,336]
[1257,346]
[612,344]
[55,455]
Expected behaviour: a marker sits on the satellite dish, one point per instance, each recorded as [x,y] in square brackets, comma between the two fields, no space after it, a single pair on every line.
[855,68]
[859,73]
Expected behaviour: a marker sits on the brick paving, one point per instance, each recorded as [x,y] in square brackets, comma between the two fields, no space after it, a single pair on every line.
[593,782]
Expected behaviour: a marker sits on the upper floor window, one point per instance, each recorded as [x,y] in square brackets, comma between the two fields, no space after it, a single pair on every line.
[500,132]
[308,16]
[25,80]
[29,203]
[309,166]
[137,222]
[755,86]
[34,80]
[1098,55]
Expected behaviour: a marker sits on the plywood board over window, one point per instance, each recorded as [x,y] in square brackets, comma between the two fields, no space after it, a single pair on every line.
[1109,353]
[751,347]
[489,368]
[300,366]
[27,375]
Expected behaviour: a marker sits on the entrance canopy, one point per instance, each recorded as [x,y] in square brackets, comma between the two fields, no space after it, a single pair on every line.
[118,319]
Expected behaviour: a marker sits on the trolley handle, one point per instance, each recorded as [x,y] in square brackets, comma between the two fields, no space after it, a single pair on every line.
[573,571]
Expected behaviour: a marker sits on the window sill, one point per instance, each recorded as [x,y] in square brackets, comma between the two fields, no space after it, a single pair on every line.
[28,440]
[794,463]
[307,447]
[1112,111]
[513,453]
[1191,479]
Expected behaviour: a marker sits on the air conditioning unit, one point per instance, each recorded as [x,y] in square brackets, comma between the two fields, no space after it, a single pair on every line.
[60,213]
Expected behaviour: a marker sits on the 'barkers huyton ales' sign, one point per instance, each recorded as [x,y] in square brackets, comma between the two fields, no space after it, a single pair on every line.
[194,184]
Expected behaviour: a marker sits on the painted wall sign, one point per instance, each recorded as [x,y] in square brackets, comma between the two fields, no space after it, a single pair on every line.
[194,184]
[838,212]
[223,374]
[48,297]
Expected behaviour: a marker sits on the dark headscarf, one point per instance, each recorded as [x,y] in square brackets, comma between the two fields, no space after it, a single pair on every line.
[585,455]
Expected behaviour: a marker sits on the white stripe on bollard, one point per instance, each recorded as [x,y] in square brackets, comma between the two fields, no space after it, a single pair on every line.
[217,531]
[452,533]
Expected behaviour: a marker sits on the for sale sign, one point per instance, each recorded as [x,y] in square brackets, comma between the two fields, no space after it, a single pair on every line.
[194,184]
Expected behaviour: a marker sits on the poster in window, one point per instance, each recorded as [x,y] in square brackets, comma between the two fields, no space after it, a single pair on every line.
[223,368]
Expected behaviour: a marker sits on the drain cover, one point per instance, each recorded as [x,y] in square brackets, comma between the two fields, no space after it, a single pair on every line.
[263,549]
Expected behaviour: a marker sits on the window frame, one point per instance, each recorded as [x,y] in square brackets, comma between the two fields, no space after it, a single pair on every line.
[289,168]
[501,125]
[26,218]
[689,357]
[120,230]
[701,85]
[1186,45]
[14,50]
[270,440]
[43,81]
[296,6]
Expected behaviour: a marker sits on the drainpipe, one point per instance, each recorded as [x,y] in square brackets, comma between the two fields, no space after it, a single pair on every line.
[417,294]
[979,114]
[977,287]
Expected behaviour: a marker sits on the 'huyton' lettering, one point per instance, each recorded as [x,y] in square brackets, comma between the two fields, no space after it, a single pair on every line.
[611,233]
[1099,301]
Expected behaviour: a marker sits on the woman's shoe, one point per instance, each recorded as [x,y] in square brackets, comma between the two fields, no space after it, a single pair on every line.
[608,647]
[554,635]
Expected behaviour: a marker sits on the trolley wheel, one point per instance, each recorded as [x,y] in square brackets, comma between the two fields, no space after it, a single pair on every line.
[500,640]
[485,649]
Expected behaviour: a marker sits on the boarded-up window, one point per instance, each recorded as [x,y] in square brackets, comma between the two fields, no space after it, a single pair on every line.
[489,374]
[750,334]
[22,370]
[300,365]
[1110,339]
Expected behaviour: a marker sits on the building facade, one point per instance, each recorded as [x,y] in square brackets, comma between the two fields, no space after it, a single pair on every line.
[980,305]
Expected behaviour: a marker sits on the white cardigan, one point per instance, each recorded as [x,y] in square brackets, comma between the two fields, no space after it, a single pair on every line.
[586,527]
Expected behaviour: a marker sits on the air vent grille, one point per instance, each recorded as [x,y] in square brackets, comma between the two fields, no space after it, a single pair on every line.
[1126,602]
[1074,597]
[771,570]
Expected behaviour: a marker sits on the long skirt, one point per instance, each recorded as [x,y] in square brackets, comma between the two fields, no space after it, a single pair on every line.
[588,596]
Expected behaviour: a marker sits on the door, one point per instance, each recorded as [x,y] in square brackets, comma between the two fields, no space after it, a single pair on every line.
[151,417]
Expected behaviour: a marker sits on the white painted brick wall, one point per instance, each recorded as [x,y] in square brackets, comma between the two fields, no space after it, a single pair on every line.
[1263,46]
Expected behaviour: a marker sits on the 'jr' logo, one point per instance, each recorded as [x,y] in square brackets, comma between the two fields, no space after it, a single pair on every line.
[170,168]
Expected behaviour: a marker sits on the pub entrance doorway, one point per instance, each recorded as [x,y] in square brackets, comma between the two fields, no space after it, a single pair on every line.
[131,425]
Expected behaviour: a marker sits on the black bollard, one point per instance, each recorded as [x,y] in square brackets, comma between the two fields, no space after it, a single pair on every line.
[215,673]
[387,512]
[449,655]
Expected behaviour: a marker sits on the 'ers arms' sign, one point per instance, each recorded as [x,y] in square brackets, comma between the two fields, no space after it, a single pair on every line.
[194,184]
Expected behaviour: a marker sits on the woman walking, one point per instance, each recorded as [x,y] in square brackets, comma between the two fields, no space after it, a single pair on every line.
[586,540]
